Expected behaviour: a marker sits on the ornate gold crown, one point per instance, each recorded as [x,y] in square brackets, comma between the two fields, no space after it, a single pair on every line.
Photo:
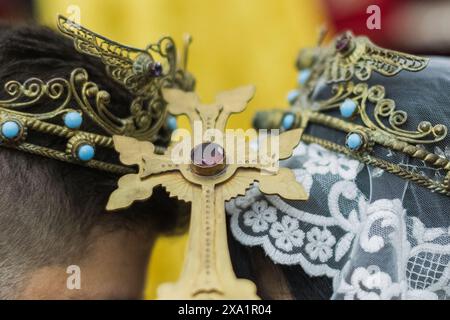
[70,102]
[367,114]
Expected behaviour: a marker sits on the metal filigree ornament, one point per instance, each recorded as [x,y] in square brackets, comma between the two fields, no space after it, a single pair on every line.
[70,103]
[207,180]
[368,116]
[359,57]
[352,58]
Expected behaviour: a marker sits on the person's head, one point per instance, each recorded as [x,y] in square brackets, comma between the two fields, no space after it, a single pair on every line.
[52,214]
[397,109]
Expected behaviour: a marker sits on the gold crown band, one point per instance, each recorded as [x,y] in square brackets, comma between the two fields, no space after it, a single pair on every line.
[380,123]
[441,187]
[142,73]
[62,156]
[274,118]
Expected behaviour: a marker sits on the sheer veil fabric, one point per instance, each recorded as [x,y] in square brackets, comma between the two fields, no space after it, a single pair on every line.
[376,235]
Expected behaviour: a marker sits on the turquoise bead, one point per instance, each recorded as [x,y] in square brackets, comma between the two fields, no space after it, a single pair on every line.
[86,152]
[73,120]
[354,141]
[303,76]
[11,129]
[293,96]
[348,108]
[172,123]
[288,121]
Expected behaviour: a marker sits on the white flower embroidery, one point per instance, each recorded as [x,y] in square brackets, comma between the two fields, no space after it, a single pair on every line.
[287,234]
[260,216]
[320,244]
[388,214]
[366,285]
[321,161]
[414,265]
[422,234]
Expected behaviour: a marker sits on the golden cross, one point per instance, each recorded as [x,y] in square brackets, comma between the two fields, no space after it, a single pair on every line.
[207,178]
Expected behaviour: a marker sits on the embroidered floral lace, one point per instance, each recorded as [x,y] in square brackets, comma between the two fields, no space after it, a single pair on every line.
[363,233]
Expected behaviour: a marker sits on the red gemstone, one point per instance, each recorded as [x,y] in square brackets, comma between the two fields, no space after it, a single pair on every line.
[343,43]
[208,158]
[157,69]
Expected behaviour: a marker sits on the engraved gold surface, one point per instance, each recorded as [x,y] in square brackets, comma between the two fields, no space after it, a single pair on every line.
[207,271]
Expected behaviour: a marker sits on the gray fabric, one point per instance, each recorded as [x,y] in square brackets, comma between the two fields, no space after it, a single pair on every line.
[378,236]
[424,96]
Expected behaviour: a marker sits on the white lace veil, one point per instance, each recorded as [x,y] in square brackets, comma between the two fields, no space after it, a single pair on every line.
[377,236]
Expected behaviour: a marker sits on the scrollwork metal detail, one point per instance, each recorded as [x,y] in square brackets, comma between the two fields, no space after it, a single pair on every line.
[41,105]
[386,117]
[358,57]
[372,115]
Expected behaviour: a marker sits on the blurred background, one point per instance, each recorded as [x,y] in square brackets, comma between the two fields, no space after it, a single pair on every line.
[240,42]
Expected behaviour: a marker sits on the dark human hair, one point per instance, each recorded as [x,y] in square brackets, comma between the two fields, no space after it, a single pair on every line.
[48,208]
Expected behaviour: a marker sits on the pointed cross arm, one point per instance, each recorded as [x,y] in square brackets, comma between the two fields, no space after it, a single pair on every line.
[212,116]
[207,181]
